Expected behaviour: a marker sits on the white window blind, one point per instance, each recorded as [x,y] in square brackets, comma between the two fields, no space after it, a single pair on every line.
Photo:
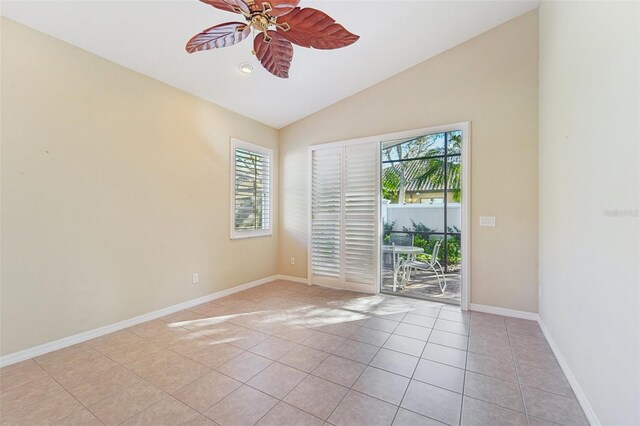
[250,190]
[326,211]
[344,217]
[360,225]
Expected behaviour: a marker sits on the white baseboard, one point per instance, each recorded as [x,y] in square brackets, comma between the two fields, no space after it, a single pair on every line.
[92,334]
[293,279]
[577,389]
[504,312]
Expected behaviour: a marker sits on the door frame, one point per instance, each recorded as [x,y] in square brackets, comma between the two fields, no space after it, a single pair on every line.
[465,127]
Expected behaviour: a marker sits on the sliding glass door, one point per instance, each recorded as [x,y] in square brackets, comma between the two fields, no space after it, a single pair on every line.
[422,216]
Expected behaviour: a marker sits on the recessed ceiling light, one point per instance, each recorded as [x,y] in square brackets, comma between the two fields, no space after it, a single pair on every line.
[245,68]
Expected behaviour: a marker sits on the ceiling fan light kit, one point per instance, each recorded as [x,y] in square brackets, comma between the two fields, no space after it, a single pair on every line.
[279,23]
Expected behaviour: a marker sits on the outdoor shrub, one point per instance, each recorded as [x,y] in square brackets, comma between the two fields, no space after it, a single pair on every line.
[387,227]
[419,228]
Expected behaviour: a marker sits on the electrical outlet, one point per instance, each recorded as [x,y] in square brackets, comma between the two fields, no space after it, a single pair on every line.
[293,260]
[195,279]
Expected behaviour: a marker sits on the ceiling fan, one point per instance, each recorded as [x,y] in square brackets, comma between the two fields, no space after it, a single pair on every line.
[278,23]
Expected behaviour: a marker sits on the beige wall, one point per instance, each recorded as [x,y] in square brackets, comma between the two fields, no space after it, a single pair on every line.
[590,168]
[115,188]
[492,81]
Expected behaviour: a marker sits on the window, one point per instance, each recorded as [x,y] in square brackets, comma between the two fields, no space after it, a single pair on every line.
[250,190]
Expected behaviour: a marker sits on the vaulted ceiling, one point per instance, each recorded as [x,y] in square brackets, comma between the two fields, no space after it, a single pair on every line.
[148,36]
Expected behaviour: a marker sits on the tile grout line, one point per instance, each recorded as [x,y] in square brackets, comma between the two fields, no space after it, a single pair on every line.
[464,377]
[498,378]
[119,364]
[369,365]
[154,404]
[244,351]
[142,379]
[437,362]
[246,383]
[285,402]
[413,374]
[466,357]
[310,374]
[64,389]
[281,400]
[357,378]
[277,361]
[269,335]
[515,367]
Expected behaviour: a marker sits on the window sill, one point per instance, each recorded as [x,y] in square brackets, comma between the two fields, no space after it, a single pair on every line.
[238,235]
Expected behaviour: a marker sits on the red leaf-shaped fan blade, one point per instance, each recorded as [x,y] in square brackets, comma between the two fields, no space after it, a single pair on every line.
[276,55]
[281,7]
[228,5]
[222,35]
[313,28]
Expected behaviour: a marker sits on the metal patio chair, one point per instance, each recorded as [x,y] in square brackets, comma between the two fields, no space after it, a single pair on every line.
[432,265]
[407,241]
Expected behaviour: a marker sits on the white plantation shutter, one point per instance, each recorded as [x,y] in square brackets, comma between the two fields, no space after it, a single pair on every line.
[361,188]
[250,190]
[343,243]
[326,208]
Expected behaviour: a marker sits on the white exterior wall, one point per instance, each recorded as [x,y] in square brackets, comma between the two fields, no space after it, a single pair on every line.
[431,215]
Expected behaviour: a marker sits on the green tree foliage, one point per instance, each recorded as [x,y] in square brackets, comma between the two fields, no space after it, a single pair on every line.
[390,184]
[431,170]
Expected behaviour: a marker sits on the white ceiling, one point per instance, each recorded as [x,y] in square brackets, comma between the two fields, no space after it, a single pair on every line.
[148,36]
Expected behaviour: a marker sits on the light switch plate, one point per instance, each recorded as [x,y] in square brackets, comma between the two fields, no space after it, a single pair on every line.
[487,221]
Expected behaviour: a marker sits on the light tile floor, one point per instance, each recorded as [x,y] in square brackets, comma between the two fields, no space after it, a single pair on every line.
[291,354]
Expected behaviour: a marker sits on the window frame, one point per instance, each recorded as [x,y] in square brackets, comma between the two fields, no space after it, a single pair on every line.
[261,150]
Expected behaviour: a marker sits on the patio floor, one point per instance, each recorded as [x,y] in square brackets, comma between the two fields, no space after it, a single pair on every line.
[425,285]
